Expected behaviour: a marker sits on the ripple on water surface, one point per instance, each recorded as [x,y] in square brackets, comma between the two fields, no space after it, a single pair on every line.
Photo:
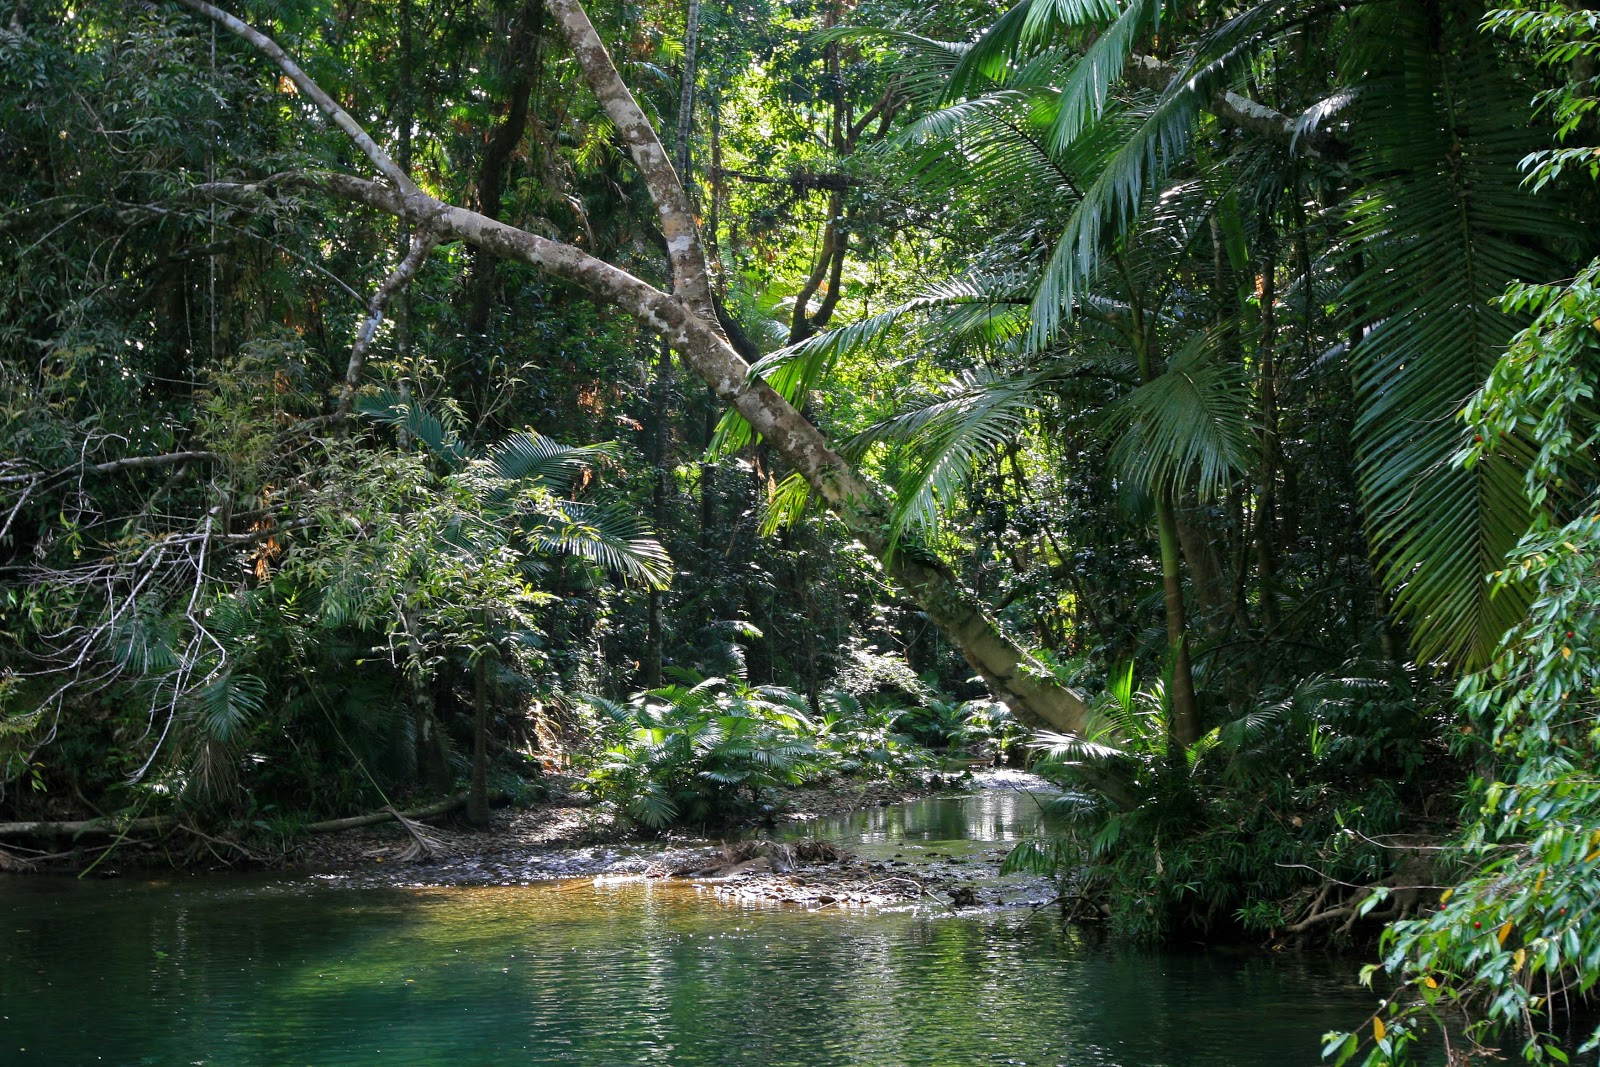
[277,972]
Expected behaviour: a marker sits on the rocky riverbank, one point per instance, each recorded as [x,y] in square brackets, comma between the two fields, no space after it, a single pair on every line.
[569,838]
[759,866]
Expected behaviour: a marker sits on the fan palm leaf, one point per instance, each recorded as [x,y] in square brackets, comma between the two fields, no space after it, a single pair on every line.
[1189,428]
[532,458]
[609,536]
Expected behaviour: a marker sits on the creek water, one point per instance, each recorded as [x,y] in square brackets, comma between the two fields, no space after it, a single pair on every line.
[238,970]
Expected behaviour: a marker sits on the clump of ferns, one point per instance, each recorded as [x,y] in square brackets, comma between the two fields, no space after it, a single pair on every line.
[702,752]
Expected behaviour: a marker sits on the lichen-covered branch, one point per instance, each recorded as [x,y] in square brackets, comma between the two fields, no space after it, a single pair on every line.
[690,280]
[686,319]
[422,242]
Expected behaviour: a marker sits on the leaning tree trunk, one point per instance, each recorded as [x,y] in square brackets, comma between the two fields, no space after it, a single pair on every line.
[687,319]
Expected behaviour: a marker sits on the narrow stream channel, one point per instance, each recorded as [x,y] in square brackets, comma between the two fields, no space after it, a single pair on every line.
[281,970]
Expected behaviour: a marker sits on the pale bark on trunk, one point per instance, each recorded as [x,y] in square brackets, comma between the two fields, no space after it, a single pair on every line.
[686,319]
[478,787]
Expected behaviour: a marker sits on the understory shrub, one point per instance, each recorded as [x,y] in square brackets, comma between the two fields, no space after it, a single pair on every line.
[1268,826]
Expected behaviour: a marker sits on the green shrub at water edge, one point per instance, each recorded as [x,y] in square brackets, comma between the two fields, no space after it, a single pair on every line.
[700,753]
[706,751]
[1244,830]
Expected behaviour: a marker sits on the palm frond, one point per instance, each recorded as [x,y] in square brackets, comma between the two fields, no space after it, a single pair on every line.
[225,705]
[1059,749]
[1088,84]
[975,303]
[1026,27]
[549,464]
[1443,226]
[1189,428]
[1111,201]
[977,414]
[1143,159]
[610,536]
[786,504]
[422,424]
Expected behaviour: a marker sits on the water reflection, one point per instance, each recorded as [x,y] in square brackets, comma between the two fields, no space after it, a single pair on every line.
[990,815]
[229,971]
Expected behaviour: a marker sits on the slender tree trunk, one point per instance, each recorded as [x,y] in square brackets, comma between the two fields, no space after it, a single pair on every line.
[1199,542]
[718,186]
[432,757]
[496,163]
[708,473]
[478,790]
[1185,724]
[1267,504]
[691,38]
[661,382]
[828,268]
[660,441]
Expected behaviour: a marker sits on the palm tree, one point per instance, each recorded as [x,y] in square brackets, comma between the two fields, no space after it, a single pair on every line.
[1408,160]
[1431,219]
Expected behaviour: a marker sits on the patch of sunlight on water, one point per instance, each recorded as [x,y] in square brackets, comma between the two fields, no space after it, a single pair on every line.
[272,971]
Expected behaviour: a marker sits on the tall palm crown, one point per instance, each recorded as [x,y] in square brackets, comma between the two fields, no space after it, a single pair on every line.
[1164,195]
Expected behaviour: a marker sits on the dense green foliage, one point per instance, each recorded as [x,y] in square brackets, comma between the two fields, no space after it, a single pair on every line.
[703,753]
[1159,323]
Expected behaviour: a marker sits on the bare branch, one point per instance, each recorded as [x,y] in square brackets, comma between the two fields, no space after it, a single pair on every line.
[113,466]
[341,118]
[690,279]
[422,242]
[1147,72]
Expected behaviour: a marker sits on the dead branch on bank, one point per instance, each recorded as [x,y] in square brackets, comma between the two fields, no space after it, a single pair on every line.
[388,812]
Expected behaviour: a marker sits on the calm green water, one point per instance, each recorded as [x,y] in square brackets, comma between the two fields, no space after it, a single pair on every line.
[233,971]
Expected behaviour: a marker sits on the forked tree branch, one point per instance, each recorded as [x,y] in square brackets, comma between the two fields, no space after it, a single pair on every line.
[422,242]
[688,322]
[691,282]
